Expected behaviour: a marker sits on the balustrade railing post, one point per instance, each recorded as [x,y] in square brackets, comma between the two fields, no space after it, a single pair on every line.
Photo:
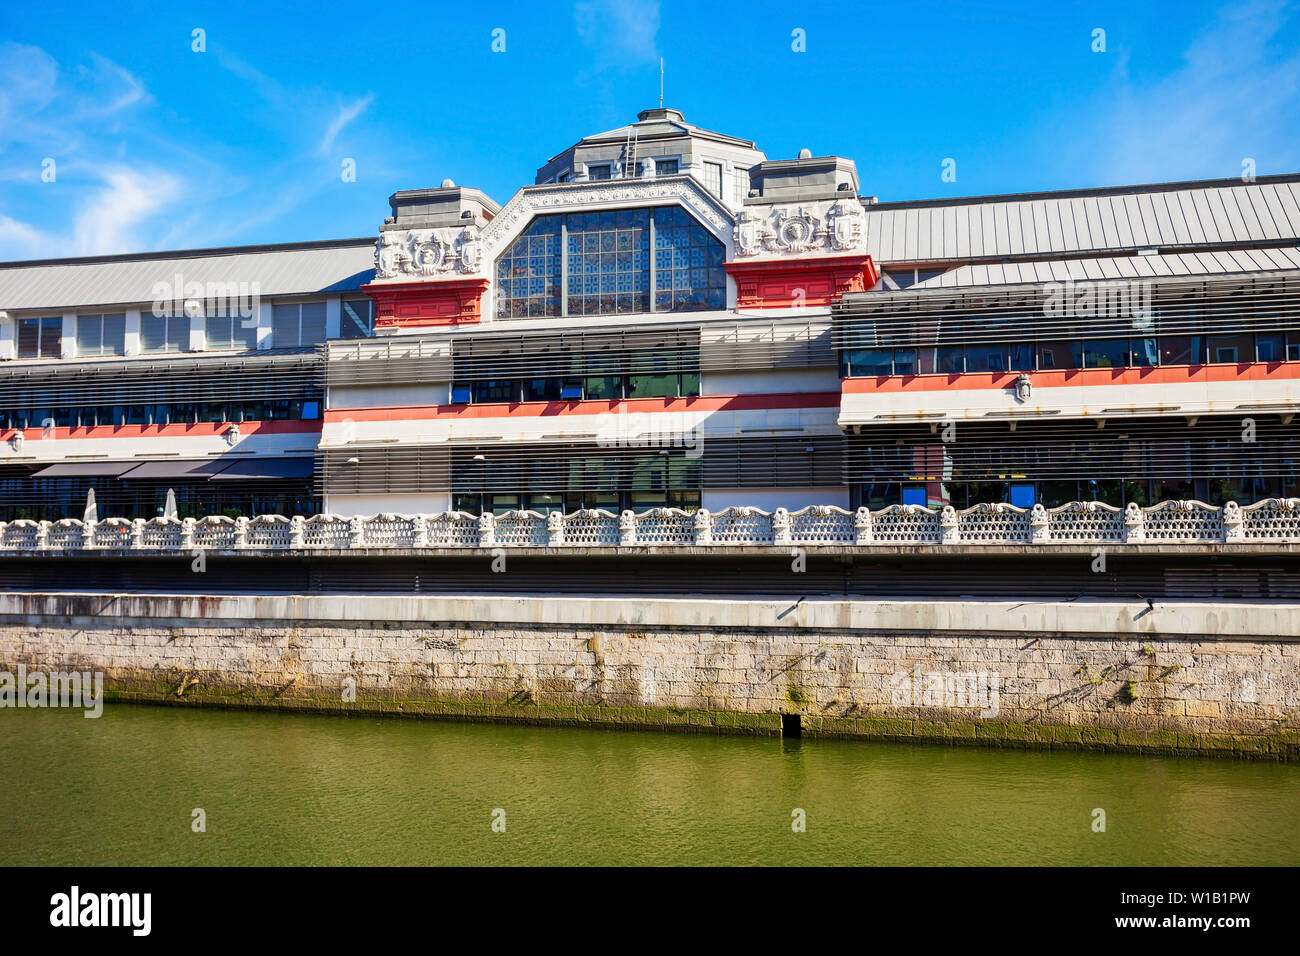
[949,532]
[1135,528]
[137,534]
[780,527]
[420,529]
[1232,522]
[42,535]
[703,528]
[626,529]
[1039,531]
[241,532]
[187,534]
[487,530]
[297,532]
[88,535]
[356,532]
[863,530]
[555,529]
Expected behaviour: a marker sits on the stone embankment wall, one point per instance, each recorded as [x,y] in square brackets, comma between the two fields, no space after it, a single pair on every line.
[1179,678]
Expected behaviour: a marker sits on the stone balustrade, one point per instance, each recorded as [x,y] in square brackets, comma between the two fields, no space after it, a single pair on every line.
[1273,521]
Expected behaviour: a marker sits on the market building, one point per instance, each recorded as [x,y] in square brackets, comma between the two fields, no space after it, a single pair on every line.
[666,317]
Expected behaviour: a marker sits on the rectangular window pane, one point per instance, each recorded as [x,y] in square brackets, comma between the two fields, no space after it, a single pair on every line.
[1059,354]
[666,167]
[1143,352]
[29,338]
[51,337]
[1105,353]
[90,333]
[713,178]
[357,319]
[1231,348]
[153,332]
[1181,350]
[243,332]
[313,323]
[216,331]
[900,278]
[870,361]
[114,340]
[284,326]
[1268,347]
[986,358]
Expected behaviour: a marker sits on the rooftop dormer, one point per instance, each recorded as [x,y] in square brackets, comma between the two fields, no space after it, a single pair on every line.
[660,143]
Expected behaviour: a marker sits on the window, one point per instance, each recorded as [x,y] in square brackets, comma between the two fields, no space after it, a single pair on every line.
[600,171]
[294,325]
[713,178]
[164,333]
[667,167]
[40,338]
[1232,348]
[600,263]
[947,359]
[899,278]
[1182,350]
[1268,347]
[741,179]
[1105,353]
[230,332]
[357,320]
[1143,352]
[688,274]
[870,361]
[101,334]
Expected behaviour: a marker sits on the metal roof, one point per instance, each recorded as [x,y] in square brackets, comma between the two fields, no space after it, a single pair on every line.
[1228,213]
[294,269]
[1119,267]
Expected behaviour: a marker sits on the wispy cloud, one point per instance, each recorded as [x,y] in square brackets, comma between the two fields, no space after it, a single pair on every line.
[107,222]
[1224,105]
[133,174]
[619,31]
[56,127]
[345,115]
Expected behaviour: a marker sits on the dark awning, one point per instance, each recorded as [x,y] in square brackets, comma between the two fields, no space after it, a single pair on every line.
[86,469]
[197,470]
[266,469]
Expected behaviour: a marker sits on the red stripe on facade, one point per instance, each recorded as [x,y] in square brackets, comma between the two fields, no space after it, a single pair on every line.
[1073,378]
[702,403]
[201,430]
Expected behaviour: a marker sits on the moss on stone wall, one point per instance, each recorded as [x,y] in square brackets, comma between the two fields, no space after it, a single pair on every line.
[1283,745]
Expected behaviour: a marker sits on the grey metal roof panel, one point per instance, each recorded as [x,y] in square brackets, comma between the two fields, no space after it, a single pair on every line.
[1222,213]
[1208,262]
[292,270]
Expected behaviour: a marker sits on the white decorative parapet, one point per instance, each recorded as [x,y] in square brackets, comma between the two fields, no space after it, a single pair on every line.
[1273,521]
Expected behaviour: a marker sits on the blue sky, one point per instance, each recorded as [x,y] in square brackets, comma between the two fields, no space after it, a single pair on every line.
[156,146]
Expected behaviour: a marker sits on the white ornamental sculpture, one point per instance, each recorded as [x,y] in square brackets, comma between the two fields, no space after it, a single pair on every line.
[815,228]
[425,253]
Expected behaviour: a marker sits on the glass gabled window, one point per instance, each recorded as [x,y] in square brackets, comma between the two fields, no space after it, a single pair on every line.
[608,263]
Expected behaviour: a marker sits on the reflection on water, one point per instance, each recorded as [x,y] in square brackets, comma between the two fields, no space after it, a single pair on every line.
[327,790]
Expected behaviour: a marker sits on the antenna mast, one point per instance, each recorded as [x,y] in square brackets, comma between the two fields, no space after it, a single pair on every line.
[661,82]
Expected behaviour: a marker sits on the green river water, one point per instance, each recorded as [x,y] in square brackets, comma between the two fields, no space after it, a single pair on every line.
[297,789]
